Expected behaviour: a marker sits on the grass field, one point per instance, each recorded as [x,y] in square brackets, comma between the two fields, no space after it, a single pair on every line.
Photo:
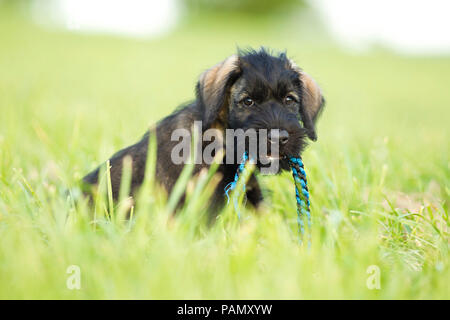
[379,173]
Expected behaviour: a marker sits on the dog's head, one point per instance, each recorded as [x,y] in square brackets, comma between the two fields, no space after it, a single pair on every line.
[257,90]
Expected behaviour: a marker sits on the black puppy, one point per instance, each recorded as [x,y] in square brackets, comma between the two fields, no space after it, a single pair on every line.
[251,90]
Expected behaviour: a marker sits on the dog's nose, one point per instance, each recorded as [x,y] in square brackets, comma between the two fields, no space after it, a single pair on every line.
[280,135]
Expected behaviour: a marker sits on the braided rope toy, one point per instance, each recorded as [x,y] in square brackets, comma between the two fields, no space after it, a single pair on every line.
[300,183]
[232,185]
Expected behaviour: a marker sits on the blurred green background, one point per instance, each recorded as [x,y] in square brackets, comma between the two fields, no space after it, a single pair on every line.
[379,172]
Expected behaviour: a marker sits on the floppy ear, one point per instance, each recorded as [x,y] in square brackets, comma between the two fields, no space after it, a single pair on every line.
[213,88]
[312,101]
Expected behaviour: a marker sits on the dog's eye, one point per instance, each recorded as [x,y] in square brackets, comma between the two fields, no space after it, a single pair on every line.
[248,102]
[289,99]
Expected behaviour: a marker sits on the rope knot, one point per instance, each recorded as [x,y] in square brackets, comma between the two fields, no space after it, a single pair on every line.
[300,183]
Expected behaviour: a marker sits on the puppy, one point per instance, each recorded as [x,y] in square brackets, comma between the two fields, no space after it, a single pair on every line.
[251,90]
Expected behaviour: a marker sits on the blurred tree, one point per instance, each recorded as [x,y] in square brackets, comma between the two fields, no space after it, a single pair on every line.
[243,6]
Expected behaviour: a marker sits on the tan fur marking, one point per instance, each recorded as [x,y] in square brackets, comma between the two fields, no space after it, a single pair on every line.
[218,125]
[312,99]
[212,81]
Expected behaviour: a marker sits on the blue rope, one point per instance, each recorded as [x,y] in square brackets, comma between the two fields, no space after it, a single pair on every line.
[232,185]
[300,183]
[303,204]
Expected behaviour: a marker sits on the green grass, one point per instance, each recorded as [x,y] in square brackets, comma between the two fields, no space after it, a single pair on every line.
[379,173]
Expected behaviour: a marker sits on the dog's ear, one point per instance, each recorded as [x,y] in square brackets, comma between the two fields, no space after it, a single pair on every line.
[213,89]
[312,101]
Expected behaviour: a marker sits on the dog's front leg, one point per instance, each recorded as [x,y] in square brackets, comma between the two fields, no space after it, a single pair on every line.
[253,192]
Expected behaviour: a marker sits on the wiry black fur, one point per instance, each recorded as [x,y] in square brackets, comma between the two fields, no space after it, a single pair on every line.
[266,79]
